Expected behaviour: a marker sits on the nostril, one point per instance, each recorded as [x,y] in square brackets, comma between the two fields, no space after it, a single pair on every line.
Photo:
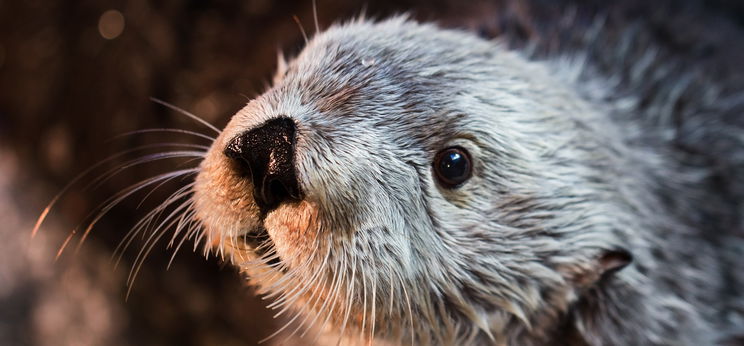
[273,194]
[277,190]
[240,165]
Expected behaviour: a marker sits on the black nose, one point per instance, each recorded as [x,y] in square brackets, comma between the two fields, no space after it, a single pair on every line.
[267,154]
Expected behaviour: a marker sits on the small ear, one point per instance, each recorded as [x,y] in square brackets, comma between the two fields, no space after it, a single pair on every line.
[601,265]
[612,261]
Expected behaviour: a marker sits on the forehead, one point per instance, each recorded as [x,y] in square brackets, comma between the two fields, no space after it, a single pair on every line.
[365,44]
[356,68]
[391,53]
[395,77]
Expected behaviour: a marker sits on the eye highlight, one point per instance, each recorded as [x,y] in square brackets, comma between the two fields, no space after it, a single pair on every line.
[452,167]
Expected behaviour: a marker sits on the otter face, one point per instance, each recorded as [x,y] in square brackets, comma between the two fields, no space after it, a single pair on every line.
[397,182]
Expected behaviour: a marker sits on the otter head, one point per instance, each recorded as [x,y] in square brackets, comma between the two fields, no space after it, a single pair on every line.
[402,182]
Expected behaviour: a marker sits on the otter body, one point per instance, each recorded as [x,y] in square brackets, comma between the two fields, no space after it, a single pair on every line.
[573,205]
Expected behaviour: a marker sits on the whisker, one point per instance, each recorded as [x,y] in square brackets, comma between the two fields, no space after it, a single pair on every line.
[163,183]
[364,299]
[151,217]
[117,198]
[186,113]
[195,226]
[198,240]
[374,306]
[325,302]
[307,284]
[141,160]
[160,229]
[313,301]
[315,17]
[158,130]
[178,195]
[186,214]
[315,298]
[340,275]
[149,193]
[275,286]
[263,261]
[302,30]
[295,293]
[111,202]
[111,173]
[392,293]
[410,310]
[182,223]
[79,177]
[151,242]
[269,274]
[62,248]
[349,299]
[147,220]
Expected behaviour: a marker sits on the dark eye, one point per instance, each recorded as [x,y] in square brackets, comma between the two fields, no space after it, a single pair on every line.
[452,167]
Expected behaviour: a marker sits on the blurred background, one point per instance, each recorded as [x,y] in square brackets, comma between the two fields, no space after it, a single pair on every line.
[75,75]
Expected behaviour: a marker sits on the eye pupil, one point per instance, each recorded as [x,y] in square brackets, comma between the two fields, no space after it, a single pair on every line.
[452,167]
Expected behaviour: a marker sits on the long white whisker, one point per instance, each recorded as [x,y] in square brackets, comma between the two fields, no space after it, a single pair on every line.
[315,17]
[151,216]
[186,113]
[364,299]
[315,298]
[302,30]
[82,175]
[163,183]
[340,275]
[124,243]
[325,302]
[182,224]
[193,225]
[300,289]
[410,310]
[137,132]
[142,160]
[349,299]
[288,276]
[150,243]
[307,284]
[374,307]
[116,199]
[147,220]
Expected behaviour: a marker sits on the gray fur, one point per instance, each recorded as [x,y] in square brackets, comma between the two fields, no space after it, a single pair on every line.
[569,166]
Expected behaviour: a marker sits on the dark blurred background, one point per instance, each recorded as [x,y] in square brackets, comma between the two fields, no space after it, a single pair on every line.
[74,75]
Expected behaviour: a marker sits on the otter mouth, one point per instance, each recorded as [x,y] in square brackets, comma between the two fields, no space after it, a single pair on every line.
[282,237]
[259,241]
[256,238]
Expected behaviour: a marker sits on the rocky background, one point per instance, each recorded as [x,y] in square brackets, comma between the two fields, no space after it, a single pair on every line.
[75,75]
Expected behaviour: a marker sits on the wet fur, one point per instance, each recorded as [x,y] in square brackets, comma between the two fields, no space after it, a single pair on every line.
[571,163]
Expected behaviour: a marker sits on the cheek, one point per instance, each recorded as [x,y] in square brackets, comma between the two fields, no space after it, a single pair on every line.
[294,230]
